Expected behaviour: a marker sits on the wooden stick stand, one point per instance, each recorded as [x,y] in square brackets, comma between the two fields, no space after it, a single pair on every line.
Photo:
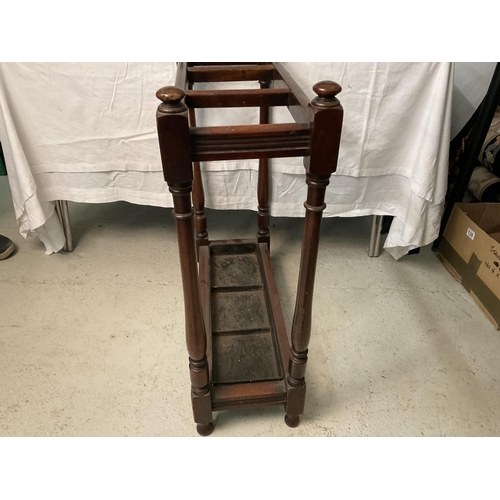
[239,354]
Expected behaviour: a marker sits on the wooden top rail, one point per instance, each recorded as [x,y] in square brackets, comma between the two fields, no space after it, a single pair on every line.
[181,80]
[300,102]
[249,141]
[230,73]
[237,98]
[223,63]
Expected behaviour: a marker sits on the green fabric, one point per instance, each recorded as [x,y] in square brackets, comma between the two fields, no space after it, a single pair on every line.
[3,170]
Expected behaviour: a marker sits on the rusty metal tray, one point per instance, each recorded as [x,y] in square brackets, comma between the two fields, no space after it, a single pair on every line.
[244,346]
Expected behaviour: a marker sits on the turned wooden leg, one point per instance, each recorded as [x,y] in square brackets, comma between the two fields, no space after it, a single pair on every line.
[200,219]
[196,339]
[301,325]
[292,421]
[263,235]
[205,429]
[173,132]
[326,115]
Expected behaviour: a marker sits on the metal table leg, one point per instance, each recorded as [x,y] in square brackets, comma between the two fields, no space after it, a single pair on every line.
[376,235]
[62,210]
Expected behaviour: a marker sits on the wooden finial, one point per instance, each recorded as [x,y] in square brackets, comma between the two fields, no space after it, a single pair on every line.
[171,101]
[326,91]
[170,95]
[327,88]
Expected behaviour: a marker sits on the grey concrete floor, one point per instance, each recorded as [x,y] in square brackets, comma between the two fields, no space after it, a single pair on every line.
[92,342]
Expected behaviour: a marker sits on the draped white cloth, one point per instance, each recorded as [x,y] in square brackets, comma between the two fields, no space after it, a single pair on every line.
[86,132]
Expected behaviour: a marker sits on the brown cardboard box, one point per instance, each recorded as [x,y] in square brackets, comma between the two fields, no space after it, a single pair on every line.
[470,250]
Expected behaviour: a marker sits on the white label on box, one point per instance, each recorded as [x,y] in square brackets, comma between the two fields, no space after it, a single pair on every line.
[470,233]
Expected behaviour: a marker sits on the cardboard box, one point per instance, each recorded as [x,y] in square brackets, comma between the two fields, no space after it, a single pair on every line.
[470,250]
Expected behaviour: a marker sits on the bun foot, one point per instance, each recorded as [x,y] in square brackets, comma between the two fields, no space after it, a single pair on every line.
[205,429]
[292,421]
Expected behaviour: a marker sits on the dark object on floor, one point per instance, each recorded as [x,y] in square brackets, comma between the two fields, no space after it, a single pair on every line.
[3,168]
[468,161]
[6,247]
[239,354]
[386,224]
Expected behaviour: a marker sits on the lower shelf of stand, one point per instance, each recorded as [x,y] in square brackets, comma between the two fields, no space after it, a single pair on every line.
[247,342]
[248,395]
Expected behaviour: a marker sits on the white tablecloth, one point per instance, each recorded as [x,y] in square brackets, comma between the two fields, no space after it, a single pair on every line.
[86,132]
